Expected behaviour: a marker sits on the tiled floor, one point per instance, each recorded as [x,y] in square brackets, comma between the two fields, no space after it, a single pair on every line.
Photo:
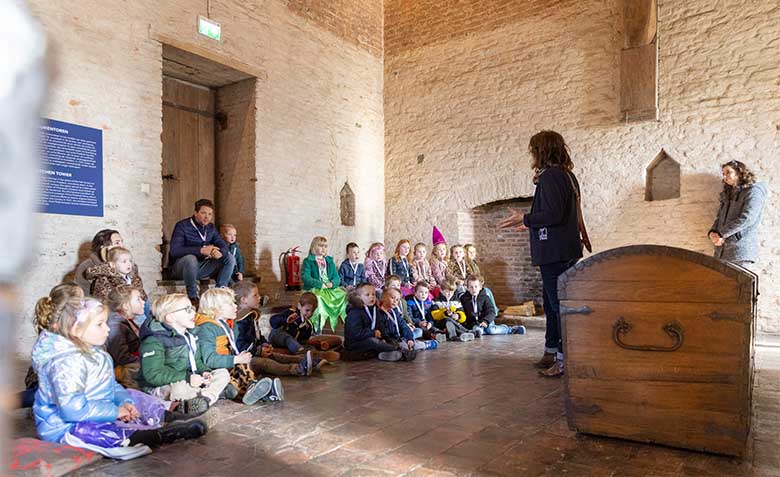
[464,409]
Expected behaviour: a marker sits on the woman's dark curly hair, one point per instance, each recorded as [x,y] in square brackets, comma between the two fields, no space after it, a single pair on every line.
[102,239]
[548,149]
[746,176]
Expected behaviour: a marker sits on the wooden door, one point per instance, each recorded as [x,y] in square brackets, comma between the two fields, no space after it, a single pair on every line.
[188,151]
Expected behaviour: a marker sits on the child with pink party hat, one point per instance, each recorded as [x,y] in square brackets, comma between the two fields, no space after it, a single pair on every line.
[439,257]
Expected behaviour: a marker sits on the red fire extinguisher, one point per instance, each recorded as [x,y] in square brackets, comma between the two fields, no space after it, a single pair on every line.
[290,264]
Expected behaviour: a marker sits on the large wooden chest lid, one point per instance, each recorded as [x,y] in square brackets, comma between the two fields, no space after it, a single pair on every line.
[659,347]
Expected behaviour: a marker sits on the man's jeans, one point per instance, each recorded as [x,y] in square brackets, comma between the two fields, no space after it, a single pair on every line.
[188,268]
[494,329]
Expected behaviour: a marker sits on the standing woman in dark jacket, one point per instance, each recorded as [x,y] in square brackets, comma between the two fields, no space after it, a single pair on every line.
[553,223]
[735,230]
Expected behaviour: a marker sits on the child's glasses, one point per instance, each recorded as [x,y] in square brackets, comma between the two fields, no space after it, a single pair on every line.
[188,309]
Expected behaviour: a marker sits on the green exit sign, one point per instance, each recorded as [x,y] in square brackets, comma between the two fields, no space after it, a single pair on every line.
[209,28]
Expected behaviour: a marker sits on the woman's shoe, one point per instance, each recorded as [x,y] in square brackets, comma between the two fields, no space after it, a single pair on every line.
[547,360]
[554,371]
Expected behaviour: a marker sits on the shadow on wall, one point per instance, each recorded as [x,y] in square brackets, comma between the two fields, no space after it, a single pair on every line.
[271,283]
[83,253]
[682,222]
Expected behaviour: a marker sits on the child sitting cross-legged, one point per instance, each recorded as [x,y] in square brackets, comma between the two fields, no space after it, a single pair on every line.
[447,314]
[292,328]
[249,337]
[426,332]
[480,314]
[419,309]
[362,339]
[80,403]
[123,344]
[394,330]
[217,342]
[171,362]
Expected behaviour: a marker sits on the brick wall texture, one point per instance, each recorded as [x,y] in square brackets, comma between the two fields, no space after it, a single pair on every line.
[467,83]
[318,123]
[503,255]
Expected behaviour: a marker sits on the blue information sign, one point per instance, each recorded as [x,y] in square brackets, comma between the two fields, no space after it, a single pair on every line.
[71,170]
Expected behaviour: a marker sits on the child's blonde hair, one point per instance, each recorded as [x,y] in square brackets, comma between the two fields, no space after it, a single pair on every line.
[374,246]
[317,241]
[448,285]
[50,306]
[75,315]
[397,253]
[214,299]
[225,227]
[166,304]
[113,255]
[439,246]
[119,298]
[418,246]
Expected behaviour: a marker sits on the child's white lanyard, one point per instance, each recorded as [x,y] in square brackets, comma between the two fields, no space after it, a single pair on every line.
[233,252]
[405,264]
[128,279]
[373,317]
[462,268]
[230,337]
[354,272]
[474,301]
[421,308]
[394,320]
[192,346]
[202,235]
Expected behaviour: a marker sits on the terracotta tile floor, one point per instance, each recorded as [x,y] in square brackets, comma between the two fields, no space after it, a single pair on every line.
[464,409]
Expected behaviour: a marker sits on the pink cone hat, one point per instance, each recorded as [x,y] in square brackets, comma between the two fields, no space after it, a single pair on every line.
[437,236]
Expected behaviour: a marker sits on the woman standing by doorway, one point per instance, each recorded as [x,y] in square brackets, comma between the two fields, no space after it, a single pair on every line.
[554,227]
[735,230]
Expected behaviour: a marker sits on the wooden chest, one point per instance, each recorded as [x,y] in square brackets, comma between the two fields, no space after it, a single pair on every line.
[659,347]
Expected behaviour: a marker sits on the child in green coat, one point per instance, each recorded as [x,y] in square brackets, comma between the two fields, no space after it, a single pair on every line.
[320,276]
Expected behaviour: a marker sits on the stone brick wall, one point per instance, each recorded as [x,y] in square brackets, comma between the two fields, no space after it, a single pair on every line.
[319,122]
[503,255]
[468,89]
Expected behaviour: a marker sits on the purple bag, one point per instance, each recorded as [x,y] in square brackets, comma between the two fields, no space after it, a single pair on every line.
[151,412]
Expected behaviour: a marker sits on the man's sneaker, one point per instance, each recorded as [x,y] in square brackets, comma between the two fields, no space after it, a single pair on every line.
[390,356]
[195,406]
[518,330]
[185,430]
[441,337]
[305,367]
[468,336]
[408,354]
[257,391]
[230,392]
[478,331]
[277,391]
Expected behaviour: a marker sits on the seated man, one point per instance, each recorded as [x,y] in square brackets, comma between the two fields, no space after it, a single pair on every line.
[198,251]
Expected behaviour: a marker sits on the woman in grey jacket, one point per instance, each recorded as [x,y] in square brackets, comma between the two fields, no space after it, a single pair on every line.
[735,230]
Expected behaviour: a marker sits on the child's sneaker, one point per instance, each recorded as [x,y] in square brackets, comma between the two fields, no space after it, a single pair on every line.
[431,344]
[408,355]
[466,337]
[257,391]
[277,391]
[195,406]
[441,337]
[518,330]
[305,367]
[184,430]
[390,356]
[230,392]
[478,331]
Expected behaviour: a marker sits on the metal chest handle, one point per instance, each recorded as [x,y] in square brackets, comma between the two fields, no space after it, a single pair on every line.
[673,329]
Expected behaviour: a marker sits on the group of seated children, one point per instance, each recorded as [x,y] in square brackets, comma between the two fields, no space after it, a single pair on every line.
[394,330]
[109,371]
[102,381]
